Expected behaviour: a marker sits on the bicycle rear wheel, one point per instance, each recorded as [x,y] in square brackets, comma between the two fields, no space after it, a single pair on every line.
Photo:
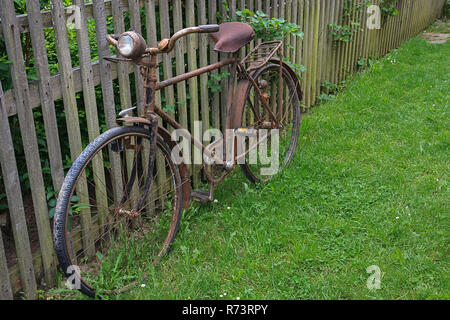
[105,230]
[283,115]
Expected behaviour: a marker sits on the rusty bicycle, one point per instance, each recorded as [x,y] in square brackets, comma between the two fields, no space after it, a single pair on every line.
[122,200]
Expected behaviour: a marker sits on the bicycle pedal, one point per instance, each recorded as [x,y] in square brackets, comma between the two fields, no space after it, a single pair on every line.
[201,196]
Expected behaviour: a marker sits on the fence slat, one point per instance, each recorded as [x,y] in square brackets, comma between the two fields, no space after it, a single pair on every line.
[5,283]
[315,49]
[27,128]
[203,55]
[320,47]
[107,89]
[15,204]
[45,92]
[169,93]
[307,53]
[192,85]
[135,23]
[213,58]
[71,112]
[180,64]
[152,41]
[90,105]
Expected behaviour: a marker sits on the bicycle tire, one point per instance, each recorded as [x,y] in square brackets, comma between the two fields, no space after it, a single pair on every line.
[61,218]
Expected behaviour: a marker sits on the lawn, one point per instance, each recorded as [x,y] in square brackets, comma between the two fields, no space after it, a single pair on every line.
[368,186]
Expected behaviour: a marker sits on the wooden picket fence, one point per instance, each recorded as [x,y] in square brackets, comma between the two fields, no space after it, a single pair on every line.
[324,58]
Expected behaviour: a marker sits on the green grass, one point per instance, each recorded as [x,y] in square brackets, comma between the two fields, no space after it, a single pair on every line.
[367,186]
[440,26]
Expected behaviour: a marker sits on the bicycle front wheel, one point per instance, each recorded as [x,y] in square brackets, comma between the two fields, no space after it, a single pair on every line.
[106,227]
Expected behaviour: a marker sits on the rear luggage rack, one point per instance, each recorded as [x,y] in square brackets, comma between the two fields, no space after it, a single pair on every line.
[261,54]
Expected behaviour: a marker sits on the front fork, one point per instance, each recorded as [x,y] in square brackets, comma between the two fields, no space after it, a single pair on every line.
[151,162]
[148,108]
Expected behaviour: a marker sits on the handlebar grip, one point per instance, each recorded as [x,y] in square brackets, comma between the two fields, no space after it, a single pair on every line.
[207,28]
[112,38]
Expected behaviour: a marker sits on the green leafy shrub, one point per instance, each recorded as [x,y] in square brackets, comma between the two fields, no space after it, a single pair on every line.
[344,33]
[266,28]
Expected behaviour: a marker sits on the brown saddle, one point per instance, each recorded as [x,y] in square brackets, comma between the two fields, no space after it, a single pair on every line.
[232,36]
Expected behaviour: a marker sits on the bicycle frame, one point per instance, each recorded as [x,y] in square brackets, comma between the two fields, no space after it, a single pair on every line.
[235,102]
[152,86]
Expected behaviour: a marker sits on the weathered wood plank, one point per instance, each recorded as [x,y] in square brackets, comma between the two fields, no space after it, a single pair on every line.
[27,128]
[203,60]
[90,105]
[307,54]
[45,93]
[299,47]
[293,18]
[259,7]
[330,48]
[224,82]
[152,40]
[71,112]
[320,47]
[15,203]
[180,64]
[213,58]
[135,23]
[315,48]
[122,68]
[267,8]
[169,93]
[193,86]
[5,283]
[105,74]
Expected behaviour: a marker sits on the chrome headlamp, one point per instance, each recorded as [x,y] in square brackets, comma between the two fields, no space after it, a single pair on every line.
[131,45]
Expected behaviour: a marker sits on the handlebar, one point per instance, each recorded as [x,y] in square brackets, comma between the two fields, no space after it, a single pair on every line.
[167,45]
[112,38]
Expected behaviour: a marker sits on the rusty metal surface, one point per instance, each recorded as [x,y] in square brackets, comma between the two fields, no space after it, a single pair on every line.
[167,45]
[243,85]
[184,171]
[261,54]
[293,75]
[165,135]
[232,36]
[134,120]
[194,73]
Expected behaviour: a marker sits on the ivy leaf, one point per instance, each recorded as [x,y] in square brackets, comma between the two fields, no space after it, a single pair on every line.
[52,202]
[51,213]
